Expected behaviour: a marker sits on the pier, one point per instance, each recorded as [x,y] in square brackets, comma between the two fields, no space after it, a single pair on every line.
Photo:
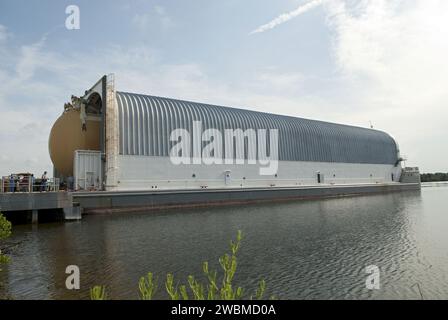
[31,205]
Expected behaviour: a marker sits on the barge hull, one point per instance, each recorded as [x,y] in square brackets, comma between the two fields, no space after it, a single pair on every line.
[128,201]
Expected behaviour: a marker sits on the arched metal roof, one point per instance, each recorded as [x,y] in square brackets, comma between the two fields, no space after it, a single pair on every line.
[146,122]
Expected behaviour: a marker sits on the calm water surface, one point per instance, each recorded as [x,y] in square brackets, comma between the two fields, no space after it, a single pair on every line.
[304,250]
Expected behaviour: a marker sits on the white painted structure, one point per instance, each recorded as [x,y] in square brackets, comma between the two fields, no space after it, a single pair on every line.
[136,145]
[87,170]
[143,173]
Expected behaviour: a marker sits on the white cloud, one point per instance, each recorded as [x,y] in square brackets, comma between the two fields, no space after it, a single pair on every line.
[141,21]
[285,17]
[3,33]
[144,21]
[25,103]
[30,59]
[160,10]
[392,59]
[390,68]
[280,81]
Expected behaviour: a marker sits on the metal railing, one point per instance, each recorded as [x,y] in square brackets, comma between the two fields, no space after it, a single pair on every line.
[28,184]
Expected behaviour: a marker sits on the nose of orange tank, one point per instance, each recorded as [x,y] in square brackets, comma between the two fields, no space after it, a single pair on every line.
[67,135]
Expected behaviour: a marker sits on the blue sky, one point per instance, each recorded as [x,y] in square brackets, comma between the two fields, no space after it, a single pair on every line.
[347,61]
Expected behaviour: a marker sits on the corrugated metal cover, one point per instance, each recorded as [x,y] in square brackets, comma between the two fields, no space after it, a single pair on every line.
[145,124]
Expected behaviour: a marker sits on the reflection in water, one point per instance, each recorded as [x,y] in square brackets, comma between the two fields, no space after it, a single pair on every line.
[304,250]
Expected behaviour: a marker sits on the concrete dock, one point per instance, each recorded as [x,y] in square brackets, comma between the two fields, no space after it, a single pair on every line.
[33,204]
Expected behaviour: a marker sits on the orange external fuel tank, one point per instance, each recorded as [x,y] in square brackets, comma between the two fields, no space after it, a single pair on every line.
[67,135]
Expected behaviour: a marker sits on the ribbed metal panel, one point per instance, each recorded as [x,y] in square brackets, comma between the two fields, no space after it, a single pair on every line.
[145,124]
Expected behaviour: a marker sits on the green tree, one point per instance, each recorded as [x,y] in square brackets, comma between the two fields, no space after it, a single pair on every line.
[434,177]
[5,232]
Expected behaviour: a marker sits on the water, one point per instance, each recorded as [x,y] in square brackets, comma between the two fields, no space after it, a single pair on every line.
[304,250]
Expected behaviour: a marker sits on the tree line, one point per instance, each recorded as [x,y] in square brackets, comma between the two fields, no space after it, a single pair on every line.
[430,177]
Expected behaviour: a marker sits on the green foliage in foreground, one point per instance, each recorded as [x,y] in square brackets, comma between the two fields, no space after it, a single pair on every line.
[5,232]
[147,287]
[212,289]
[98,293]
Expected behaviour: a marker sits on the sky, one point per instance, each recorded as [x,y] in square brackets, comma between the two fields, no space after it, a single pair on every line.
[357,62]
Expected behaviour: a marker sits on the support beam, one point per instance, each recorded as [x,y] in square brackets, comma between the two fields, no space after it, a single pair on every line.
[34,216]
[72,213]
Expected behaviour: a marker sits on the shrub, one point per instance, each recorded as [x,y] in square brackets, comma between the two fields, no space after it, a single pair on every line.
[195,290]
[5,232]
[98,293]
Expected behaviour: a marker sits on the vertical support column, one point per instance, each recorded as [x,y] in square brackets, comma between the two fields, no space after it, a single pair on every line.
[34,216]
[111,122]
[72,213]
[103,131]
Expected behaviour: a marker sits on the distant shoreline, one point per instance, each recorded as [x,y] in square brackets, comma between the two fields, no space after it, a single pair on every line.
[434,184]
[434,177]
